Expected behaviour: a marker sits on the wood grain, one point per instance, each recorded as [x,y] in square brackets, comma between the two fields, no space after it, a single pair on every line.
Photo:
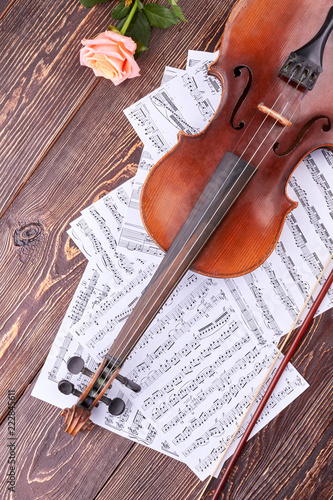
[42,83]
[4,6]
[50,463]
[64,142]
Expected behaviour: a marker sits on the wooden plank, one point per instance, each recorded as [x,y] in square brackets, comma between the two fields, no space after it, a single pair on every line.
[288,459]
[42,83]
[85,157]
[31,319]
[145,473]
[4,6]
[52,465]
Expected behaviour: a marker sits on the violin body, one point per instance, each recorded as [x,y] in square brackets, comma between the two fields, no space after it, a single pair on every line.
[256,43]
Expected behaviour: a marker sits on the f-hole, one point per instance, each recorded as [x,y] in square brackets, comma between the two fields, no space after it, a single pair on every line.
[326,127]
[237,73]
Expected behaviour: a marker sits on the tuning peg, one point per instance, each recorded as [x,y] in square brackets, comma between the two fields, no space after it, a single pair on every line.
[116,406]
[128,383]
[75,365]
[67,388]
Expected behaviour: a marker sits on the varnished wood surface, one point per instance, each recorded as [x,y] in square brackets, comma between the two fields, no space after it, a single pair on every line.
[249,232]
[65,142]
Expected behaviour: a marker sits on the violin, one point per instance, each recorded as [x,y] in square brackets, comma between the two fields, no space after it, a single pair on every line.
[217,202]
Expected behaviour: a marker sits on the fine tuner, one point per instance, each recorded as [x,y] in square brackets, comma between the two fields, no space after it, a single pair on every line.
[75,365]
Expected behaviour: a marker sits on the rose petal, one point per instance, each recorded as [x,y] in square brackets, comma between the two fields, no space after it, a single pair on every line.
[110,55]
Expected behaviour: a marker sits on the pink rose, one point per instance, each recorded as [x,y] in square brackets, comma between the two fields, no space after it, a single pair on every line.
[110,55]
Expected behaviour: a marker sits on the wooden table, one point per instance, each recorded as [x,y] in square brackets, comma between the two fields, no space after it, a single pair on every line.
[64,143]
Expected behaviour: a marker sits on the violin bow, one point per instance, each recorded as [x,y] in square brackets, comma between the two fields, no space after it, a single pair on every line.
[292,348]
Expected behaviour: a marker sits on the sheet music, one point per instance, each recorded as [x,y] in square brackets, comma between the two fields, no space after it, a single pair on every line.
[206,414]
[107,215]
[133,236]
[187,102]
[208,347]
[202,59]
[131,424]
[170,73]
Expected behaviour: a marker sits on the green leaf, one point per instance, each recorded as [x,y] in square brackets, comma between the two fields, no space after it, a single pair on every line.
[120,11]
[113,28]
[121,24]
[139,49]
[91,3]
[139,28]
[159,16]
[178,11]
[140,5]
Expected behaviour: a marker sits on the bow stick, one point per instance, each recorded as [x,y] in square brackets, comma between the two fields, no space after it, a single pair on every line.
[300,334]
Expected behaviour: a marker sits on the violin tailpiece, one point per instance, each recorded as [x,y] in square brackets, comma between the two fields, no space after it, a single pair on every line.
[305,64]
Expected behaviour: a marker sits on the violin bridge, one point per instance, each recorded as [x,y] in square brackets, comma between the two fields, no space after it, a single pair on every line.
[274,114]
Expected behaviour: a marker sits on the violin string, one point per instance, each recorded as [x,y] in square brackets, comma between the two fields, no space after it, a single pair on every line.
[267,116]
[121,349]
[280,133]
[272,127]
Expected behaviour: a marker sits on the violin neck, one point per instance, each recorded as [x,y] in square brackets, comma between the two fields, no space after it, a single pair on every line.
[228,181]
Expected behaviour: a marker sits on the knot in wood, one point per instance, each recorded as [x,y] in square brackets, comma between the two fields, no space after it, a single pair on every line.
[28,233]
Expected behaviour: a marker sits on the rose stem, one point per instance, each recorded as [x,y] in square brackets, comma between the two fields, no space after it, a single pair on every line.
[129,19]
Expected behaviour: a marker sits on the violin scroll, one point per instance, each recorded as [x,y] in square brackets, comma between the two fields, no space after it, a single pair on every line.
[77,419]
